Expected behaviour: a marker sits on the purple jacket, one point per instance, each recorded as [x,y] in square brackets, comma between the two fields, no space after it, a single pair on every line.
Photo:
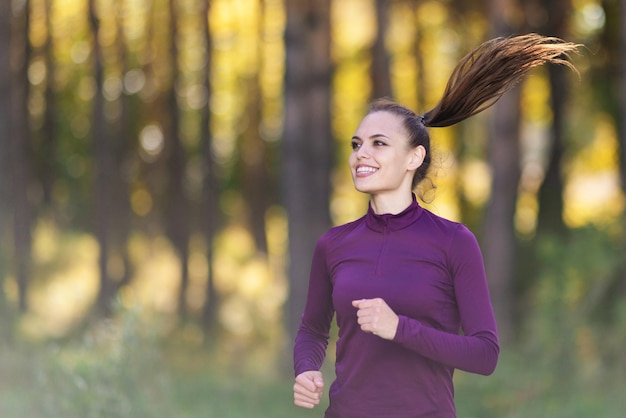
[430,271]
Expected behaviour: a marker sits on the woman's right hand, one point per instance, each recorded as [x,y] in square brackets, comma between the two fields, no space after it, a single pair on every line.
[308,389]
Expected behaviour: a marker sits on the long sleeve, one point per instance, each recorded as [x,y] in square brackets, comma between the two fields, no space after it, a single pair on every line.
[477,349]
[313,334]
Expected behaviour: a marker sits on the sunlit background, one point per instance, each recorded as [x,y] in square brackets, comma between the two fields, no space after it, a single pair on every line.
[592,191]
[246,352]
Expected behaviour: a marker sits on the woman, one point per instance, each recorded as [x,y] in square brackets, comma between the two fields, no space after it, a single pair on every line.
[408,287]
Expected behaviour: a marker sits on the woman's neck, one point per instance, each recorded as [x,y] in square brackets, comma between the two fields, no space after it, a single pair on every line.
[382,204]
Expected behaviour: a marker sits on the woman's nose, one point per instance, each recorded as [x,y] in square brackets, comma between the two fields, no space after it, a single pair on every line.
[362,152]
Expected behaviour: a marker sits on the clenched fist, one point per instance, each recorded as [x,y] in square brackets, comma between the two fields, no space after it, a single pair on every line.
[308,389]
[376,317]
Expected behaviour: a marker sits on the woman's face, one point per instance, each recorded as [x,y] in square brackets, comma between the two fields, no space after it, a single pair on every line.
[381,160]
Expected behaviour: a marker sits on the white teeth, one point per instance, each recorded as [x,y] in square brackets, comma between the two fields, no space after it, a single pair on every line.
[365,170]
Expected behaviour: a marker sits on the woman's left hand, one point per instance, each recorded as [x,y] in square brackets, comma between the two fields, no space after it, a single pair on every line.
[376,317]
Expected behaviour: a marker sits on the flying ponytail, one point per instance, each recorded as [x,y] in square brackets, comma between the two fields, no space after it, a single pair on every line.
[476,83]
[492,69]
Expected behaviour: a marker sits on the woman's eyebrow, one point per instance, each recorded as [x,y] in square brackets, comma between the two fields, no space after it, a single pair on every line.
[372,136]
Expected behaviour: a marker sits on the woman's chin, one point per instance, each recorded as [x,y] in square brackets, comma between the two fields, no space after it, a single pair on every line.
[365,189]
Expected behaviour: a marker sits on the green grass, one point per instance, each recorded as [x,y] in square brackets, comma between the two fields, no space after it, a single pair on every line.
[117,371]
[42,382]
[122,369]
[219,396]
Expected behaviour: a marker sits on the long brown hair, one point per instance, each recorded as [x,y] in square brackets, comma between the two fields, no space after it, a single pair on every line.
[477,82]
[492,69]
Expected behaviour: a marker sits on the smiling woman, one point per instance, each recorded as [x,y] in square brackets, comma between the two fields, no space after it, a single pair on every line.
[408,288]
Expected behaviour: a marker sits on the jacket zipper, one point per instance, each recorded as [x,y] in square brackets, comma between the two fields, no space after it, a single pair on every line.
[383,248]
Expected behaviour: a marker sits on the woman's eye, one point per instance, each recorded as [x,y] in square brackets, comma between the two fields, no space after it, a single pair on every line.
[355,145]
[379,143]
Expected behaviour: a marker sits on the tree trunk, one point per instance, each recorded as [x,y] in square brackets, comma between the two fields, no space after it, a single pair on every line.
[499,241]
[307,141]
[380,73]
[123,150]
[621,119]
[20,151]
[5,130]
[622,95]
[104,168]
[609,86]
[177,202]
[255,153]
[550,196]
[550,216]
[5,172]
[48,146]
[254,156]
[419,63]
[210,205]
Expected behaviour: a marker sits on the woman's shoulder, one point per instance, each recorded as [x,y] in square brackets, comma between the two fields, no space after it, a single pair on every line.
[447,226]
[339,231]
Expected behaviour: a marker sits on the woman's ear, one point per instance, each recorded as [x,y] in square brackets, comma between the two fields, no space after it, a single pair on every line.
[417,157]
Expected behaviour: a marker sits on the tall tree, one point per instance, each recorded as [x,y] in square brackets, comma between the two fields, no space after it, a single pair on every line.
[210,206]
[380,72]
[103,165]
[49,131]
[122,151]
[5,172]
[177,205]
[550,216]
[20,151]
[610,83]
[499,240]
[419,59]
[306,144]
[255,152]
[622,116]
[621,56]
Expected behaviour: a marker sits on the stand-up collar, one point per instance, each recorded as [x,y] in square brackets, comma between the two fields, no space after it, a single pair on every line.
[393,222]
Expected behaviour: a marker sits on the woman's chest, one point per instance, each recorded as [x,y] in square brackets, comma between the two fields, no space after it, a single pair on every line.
[411,277]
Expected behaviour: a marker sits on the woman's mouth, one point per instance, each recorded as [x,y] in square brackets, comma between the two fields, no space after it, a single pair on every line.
[365,170]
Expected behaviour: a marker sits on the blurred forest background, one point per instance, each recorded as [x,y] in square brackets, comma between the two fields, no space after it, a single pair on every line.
[167,166]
